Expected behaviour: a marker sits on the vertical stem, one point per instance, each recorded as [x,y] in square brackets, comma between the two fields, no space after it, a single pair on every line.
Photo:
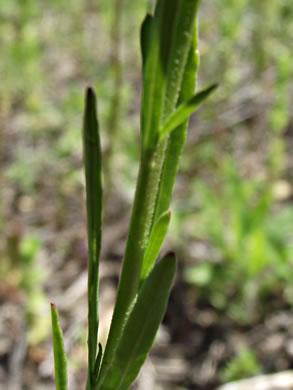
[171,42]
[140,225]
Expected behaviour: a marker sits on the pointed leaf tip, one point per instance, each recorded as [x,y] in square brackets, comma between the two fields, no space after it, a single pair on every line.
[148,16]
[145,36]
[60,360]
[90,90]
[184,110]
[171,254]
[90,94]
[155,243]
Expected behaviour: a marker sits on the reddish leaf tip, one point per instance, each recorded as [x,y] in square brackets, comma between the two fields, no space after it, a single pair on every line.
[171,254]
[53,304]
[90,92]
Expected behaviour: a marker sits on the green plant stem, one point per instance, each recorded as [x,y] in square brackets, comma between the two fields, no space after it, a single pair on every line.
[141,221]
[158,104]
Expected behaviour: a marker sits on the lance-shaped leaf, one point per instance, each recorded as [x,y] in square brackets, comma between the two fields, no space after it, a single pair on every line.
[93,176]
[178,136]
[154,73]
[141,327]
[169,44]
[59,353]
[145,37]
[156,240]
[182,37]
[184,111]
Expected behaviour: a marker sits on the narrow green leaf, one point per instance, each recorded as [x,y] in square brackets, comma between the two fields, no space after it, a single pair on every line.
[98,362]
[177,137]
[181,80]
[155,66]
[145,36]
[141,327]
[93,176]
[184,111]
[59,353]
[182,40]
[156,240]
[169,44]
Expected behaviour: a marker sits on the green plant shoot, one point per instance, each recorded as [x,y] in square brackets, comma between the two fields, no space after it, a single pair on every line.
[170,61]
[59,354]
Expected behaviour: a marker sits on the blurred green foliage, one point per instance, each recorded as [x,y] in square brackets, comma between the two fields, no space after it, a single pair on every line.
[244,364]
[36,300]
[238,202]
[253,240]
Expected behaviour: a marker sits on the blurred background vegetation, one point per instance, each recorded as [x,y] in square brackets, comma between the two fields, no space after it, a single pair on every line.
[230,313]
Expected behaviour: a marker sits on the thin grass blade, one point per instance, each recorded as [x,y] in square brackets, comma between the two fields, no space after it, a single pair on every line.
[141,327]
[60,361]
[93,178]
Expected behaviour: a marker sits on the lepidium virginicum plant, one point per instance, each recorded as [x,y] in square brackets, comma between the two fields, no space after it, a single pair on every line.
[170,62]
